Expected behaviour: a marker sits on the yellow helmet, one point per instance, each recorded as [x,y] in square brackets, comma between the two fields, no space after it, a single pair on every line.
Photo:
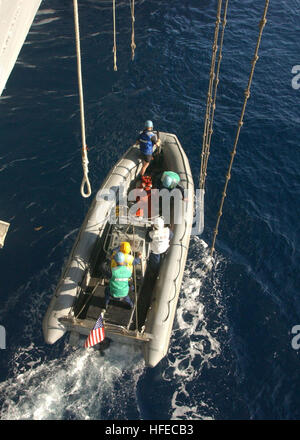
[125,247]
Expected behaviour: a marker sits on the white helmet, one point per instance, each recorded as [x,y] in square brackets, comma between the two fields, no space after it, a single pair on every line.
[159,223]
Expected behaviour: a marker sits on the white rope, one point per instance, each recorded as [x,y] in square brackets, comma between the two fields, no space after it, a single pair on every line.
[85,180]
[115,38]
[133,45]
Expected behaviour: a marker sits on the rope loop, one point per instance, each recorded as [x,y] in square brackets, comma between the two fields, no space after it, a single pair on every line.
[85,161]
[85,183]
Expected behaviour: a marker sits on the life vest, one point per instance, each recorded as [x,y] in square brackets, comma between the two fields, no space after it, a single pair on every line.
[160,240]
[146,185]
[146,145]
[127,263]
[118,284]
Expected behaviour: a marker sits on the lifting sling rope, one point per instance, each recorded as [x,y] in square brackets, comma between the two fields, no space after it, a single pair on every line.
[133,45]
[212,93]
[209,116]
[85,162]
[85,180]
[240,124]
[115,37]
[135,288]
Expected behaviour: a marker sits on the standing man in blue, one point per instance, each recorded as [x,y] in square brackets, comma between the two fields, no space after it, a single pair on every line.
[147,140]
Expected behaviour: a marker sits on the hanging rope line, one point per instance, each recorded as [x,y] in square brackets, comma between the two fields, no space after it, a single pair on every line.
[135,289]
[87,301]
[115,36]
[240,124]
[205,146]
[133,45]
[210,123]
[85,180]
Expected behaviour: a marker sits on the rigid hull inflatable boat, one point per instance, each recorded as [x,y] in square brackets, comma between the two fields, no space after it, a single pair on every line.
[79,297]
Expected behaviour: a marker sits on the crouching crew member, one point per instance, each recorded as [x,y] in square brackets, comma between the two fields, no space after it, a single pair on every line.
[118,288]
[171,180]
[129,259]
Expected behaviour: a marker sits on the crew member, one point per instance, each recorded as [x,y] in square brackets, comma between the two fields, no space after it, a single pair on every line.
[171,180]
[118,288]
[147,140]
[129,261]
[159,238]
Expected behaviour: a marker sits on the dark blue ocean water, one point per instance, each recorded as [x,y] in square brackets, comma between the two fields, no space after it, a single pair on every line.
[230,354]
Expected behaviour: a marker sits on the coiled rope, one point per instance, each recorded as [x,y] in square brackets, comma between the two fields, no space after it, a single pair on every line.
[85,180]
[240,124]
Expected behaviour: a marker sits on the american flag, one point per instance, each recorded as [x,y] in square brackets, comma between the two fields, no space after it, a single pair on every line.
[97,334]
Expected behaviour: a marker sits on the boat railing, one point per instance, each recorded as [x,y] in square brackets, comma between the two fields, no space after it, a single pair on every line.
[84,326]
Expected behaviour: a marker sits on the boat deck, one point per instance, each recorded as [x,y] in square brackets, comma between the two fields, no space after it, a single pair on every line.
[92,302]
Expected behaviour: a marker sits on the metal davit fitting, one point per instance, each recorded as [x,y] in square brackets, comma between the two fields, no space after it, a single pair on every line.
[3,231]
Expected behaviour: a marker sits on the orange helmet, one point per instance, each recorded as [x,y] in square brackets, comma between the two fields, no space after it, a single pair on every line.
[125,247]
